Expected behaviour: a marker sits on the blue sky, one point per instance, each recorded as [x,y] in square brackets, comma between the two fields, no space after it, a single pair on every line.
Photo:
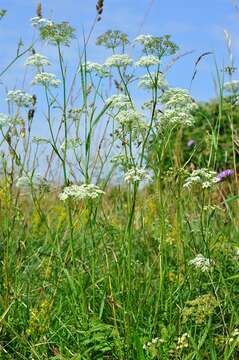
[194,25]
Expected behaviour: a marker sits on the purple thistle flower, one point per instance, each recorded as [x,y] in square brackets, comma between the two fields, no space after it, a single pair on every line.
[224,174]
[190,143]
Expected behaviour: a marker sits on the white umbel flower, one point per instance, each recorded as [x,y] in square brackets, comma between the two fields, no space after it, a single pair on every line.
[182,342]
[232,86]
[98,69]
[19,97]
[171,117]
[176,98]
[203,177]
[6,120]
[37,60]
[146,61]
[39,21]
[27,183]
[79,192]
[136,174]
[118,60]
[202,263]
[178,106]
[118,101]
[152,81]
[143,39]
[46,79]
[132,118]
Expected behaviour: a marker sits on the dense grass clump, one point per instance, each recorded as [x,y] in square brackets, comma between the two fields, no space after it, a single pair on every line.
[119,228]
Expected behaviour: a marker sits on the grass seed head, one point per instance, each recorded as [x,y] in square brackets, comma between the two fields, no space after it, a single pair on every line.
[39,9]
[99,7]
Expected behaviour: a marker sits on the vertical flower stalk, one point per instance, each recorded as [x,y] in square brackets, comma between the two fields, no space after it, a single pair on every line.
[64,162]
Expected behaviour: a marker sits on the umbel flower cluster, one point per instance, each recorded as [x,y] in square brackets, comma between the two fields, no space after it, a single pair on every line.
[199,309]
[133,126]
[147,61]
[79,192]
[232,86]
[153,81]
[202,263]
[178,107]
[26,183]
[53,33]
[155,45]
[93,67]
[20,98]
[203,177]
[119,101]
[46,79]
[136,174]
[6,120]
[131,122]
[37,60]
[118,60]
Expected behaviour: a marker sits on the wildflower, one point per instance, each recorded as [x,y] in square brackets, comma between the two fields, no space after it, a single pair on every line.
[23,182]
[37,319]
[147,61]
[79,192]
[37,60]
[190,143]
[178,106]
[39,21]
[46,79]
[172,117]
[118,60]
[130,122]
[112,39]
[152,343]
[232,86]
[98,69]
[175,98]
[56,34]
[136,174]
[118,101]
[155,340]
[224,174]
[182,341]
[132,119]
[152,81]
[20,98]
[6,120]
[143,39]
[155,45]
[200,308]
[202,263]
[204,177]
[27,182]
